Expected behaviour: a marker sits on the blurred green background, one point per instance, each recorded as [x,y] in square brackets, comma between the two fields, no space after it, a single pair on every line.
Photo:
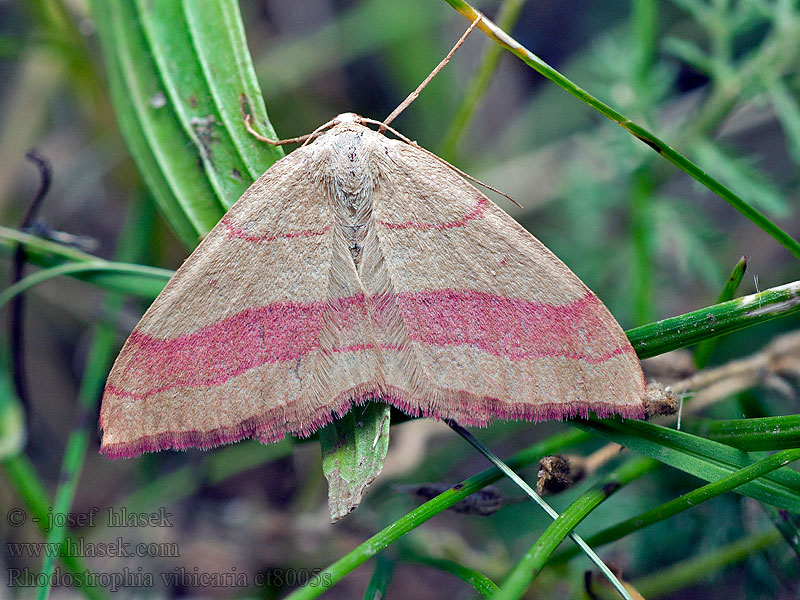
[718,80]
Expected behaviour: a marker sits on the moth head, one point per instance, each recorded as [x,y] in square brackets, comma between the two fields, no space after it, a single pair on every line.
[348,118]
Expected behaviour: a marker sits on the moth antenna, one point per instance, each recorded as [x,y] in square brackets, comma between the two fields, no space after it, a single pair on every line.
[440,159]
[248,124]
[413,95]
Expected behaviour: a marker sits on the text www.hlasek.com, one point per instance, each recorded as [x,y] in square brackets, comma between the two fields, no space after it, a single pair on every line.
[118,548]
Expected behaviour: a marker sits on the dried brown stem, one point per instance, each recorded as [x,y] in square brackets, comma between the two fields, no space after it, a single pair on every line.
[770,366]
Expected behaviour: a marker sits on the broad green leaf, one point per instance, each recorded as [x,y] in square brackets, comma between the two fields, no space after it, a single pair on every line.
[177,70]
[700,457]
[218,39]
[353,451]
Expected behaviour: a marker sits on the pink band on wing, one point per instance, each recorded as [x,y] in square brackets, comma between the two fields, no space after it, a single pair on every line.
[285,331]
[236,232]
[515,329]
[476,213]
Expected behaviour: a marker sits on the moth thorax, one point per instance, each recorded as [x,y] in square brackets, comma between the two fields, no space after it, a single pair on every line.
[353,211]
[351,186]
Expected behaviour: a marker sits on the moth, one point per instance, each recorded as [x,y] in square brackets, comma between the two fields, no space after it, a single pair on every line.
[361,267]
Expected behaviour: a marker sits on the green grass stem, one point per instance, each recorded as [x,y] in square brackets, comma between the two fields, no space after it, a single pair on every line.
[688,500]
[366,550]
[101,353]
[672,155]
[479,83]
[705,348]
[526,570]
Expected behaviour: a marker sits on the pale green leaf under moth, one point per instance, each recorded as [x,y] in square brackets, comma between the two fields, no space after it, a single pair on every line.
[353,451]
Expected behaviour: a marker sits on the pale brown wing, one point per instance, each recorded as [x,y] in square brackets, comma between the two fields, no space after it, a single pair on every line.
[245,341]
[453,310]
[494,325]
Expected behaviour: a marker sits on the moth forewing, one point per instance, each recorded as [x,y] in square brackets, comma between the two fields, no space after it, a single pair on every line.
[356,268]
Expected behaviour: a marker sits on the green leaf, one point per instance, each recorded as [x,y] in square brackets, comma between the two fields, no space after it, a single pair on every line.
[218,39]
[353,451]
[689,53]
[509,14]
[21,476]
[700,457]
[665,150]
[648,340]
[366,550]
[46,253]
[763,433]
[177,71]
[692,327]
[98,362]
[698,568]
[686,239]
[482,584]
[159,276]
[149,125]
[178,55]
[518,580]
[691,499]
[531,564]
